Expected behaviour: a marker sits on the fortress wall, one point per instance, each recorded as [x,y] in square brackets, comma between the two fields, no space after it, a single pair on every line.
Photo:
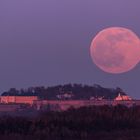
[7,99]
[25,99]
[18,99]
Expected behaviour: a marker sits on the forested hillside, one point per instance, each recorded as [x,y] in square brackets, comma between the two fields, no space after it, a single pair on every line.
[86,123]
[67,91]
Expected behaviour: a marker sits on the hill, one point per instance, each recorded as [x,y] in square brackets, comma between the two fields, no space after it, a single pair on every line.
[67,91]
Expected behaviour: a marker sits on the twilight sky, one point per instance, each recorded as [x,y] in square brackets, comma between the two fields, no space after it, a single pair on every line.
[46,42]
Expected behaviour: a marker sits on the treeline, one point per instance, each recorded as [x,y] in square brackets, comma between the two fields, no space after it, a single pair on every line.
[75,91]
[86,123]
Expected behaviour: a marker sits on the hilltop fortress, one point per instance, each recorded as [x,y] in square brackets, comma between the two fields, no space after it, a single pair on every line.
[58,105]
[63,97]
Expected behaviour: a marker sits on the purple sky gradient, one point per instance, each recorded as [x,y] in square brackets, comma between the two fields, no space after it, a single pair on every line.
[46,42]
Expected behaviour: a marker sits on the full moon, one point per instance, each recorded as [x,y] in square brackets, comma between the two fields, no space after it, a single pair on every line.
[115,50]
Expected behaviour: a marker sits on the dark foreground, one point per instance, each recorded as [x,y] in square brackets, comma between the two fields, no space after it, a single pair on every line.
[87,123]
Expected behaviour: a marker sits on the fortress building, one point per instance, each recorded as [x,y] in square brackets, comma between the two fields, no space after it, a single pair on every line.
[123,98]
[18,99]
